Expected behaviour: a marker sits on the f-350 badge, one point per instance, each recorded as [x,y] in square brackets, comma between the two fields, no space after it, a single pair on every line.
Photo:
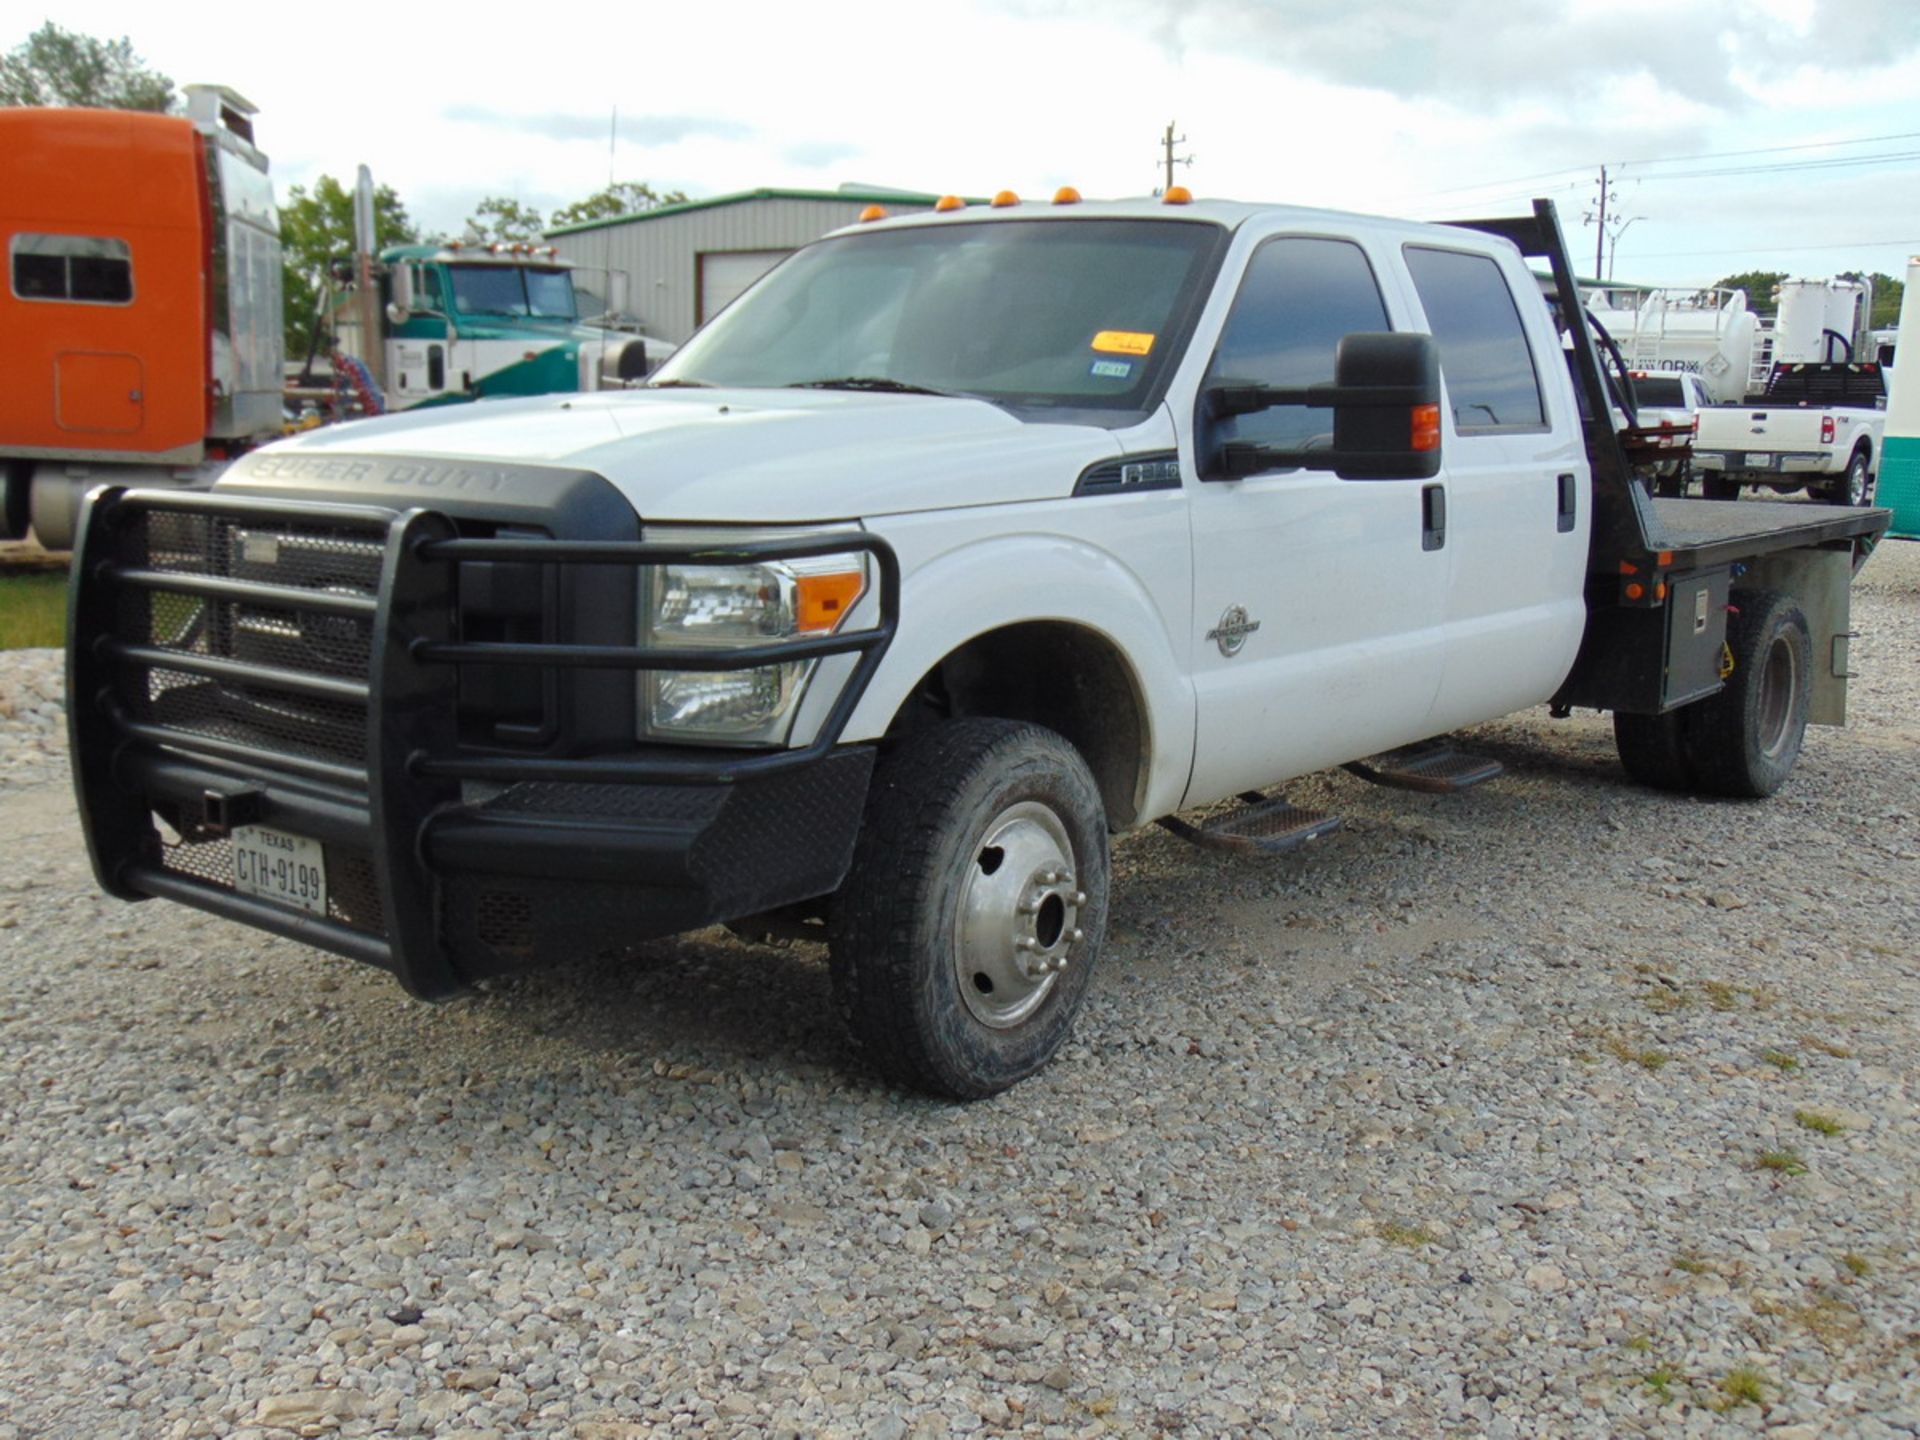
[1232,631]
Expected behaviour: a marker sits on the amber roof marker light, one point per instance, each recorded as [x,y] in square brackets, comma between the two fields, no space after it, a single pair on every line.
[1066,195]
[873,212]
[949,202]
[1005,198]
[1177,195]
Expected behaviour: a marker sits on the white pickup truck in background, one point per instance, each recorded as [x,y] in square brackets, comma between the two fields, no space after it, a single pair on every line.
[1820,426]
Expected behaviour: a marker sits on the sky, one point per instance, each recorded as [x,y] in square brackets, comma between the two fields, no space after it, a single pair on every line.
[1737,134]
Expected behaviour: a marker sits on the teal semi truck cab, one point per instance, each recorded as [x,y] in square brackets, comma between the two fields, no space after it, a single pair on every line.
[465,321]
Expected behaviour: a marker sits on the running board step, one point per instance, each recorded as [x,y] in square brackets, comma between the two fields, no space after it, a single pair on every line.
[1270,826]
[1434,769]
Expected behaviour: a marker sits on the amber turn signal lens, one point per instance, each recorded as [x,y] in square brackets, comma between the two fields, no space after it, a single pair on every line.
[821,602]
[1426,427]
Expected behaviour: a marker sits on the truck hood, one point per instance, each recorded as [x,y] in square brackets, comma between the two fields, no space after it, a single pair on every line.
[767,456]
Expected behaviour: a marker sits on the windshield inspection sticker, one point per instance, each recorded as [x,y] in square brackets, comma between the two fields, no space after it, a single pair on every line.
[1112,369]
[1123,342]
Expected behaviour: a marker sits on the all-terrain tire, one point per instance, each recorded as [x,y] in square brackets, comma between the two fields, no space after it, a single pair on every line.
[1652,749]
[925,897]
[1744,740]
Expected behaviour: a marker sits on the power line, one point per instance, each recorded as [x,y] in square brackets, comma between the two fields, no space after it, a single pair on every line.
[1766,249]
[1791,166]
[1773,149]
[1677,159]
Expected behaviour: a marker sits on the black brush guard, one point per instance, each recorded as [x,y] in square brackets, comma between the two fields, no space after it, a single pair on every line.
[733,831]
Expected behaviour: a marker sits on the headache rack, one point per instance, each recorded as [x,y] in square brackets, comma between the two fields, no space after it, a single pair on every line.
[238,660]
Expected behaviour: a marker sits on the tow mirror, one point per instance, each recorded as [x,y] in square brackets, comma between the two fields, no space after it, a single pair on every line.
[1385,399]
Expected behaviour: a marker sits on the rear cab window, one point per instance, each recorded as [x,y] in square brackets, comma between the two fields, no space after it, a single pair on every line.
[1486,359]
[87,269]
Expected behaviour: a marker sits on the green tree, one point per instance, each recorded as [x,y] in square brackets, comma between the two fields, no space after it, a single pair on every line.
[499,217]
[1759,285]
[54,66]
[316,229]
[626,197]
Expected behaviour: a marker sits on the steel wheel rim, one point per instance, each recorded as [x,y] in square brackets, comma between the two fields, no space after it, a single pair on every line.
[1019,911]
[1857,481]
[1779,682]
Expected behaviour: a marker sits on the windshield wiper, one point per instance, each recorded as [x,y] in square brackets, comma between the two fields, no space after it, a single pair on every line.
[879,383]
[679,385]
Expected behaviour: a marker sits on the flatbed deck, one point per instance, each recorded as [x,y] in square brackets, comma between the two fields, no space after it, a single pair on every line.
[1712,532]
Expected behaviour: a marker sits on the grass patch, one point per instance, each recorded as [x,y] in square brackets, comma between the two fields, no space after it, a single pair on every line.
[1411,1236]
[33,610]
[1689,1263]
[1662,1001]
[1782,1162]
[1857,1263]
[1826,1318]
[1780,1060]
[1642,1343]
[1660,1381]
[1646,1057]
[1819,1124]
[1720,995]
[1745,1386]
[1827,1047]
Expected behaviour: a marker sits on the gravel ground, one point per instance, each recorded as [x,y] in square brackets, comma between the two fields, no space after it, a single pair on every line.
[1560,1107]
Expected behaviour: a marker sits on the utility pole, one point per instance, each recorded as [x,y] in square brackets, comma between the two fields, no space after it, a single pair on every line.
[1600,239]
[1167,141]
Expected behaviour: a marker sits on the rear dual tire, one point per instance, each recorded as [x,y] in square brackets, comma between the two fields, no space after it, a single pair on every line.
[1744,740]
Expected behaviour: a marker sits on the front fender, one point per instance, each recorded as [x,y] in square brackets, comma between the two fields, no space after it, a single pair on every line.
[956,589]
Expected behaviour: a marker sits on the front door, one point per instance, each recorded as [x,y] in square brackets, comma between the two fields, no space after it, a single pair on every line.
[1320,601]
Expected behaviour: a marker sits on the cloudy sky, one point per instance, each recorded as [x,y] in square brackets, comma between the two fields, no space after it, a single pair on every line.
[1777,134]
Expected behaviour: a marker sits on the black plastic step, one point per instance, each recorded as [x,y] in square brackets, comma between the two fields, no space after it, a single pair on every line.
[1433,769]
[1272,827]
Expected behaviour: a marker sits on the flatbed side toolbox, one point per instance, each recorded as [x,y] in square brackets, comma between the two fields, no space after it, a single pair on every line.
[1646,660]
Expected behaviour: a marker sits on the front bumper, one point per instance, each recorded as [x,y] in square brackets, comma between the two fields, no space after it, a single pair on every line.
[446,861]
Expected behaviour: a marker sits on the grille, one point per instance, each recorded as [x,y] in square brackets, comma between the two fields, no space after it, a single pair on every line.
[322,558]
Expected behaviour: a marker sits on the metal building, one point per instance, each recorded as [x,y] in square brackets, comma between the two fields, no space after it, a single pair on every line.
[686,262]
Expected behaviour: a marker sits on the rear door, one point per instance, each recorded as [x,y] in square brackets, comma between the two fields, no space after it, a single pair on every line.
[1517,483]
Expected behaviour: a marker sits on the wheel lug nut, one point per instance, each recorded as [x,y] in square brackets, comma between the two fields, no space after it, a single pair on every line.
[1077,936]
[1079,897]
[1026,942]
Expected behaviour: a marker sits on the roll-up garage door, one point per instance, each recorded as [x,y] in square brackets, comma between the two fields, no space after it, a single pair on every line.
[724,276]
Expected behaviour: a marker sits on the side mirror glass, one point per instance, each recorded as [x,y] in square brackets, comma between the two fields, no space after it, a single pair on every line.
[1385,399]
[400,292]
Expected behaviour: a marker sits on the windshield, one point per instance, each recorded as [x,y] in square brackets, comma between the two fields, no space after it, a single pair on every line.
[512,290]
[1069,313]
[1658,390]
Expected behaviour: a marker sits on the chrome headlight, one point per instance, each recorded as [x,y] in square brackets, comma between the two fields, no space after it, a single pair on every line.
[716,606]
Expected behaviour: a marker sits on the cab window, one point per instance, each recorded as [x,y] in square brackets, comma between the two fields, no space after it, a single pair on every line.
[92,269]
[1484,355]
[1301,296]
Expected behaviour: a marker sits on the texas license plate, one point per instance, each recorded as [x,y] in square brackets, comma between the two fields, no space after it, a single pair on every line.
[286,869]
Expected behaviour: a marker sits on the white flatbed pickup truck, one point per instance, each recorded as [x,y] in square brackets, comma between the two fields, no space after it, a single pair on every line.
[1819,426]
[959,544]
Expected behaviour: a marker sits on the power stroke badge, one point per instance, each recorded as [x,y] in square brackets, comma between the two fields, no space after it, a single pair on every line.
[1232,631]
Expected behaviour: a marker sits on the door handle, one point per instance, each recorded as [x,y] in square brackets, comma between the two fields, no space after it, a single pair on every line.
[1433,516]
[1568,490]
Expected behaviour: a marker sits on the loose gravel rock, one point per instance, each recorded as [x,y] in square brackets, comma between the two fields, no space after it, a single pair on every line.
[1561,1107]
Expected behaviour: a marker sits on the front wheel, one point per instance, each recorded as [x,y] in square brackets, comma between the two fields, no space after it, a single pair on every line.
[964,938]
